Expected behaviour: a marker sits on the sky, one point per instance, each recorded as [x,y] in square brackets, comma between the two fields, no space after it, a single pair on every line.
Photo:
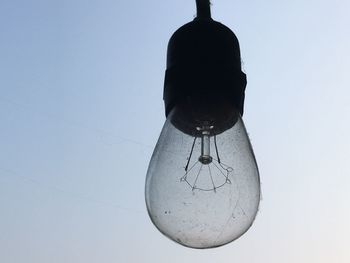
[81,110]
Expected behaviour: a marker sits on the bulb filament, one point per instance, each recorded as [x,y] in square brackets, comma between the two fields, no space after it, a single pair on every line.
[208,173]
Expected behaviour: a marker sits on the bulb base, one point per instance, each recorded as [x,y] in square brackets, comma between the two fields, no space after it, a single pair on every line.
[204,64]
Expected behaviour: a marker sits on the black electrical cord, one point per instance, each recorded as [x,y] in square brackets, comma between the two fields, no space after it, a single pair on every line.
[203,9]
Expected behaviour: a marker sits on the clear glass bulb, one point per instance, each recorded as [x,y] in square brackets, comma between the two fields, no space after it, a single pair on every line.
[202,185]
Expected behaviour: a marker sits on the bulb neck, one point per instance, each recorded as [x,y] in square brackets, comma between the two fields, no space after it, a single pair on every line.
[191,117]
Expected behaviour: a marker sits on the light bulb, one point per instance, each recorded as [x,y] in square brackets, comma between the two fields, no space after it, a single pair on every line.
[202,184]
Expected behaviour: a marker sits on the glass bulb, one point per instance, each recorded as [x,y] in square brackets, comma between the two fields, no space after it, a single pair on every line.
[202,185]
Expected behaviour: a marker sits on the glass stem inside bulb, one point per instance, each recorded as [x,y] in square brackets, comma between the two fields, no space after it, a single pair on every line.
[205,157]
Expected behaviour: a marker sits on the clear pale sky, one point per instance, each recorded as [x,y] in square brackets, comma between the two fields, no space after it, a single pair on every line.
[81,109]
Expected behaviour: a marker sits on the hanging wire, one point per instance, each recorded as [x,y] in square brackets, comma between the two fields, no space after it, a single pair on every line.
[203,9]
